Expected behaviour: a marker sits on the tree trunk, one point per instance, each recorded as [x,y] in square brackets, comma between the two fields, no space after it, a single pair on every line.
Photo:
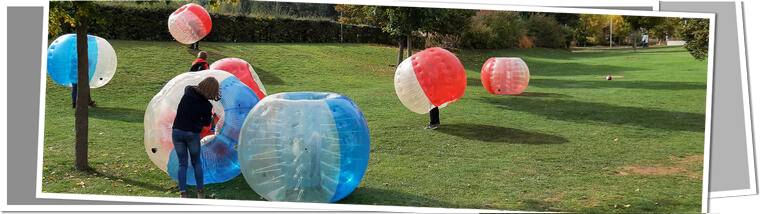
[634,39]
[83,99]
[409,47]
[400,52]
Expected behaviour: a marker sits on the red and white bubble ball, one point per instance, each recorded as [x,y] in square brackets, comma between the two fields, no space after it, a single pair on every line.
[243,71]
[189,24]
[430,78]
[505,75]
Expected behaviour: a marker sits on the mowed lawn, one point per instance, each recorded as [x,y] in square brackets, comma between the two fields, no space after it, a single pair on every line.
[572,142]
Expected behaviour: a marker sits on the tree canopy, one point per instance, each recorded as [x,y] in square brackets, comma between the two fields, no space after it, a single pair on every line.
[696,33]
[403,21]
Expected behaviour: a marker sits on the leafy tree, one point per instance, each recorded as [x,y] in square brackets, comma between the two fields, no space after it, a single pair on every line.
[293,10]
[596,29]
[638,23]
[357,14]
[696,33]
[567,19]
[591,29]
[403,22]
[494,29]
[666,28]
[546,31]
[77,14]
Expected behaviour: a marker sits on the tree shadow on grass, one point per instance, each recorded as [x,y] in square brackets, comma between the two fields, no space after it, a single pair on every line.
[135,183]
[489,133]
[575,69]
[541,94]
[213,53]
[576,111]
[601,83]
[474,82]
[235,189]
[267,77]
[477,83]
[117,113]
[653,205]
[541,205]
[544,68]
[376,196]
[238,189]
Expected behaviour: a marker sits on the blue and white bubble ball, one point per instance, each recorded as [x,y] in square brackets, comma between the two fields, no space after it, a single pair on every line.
[304,147]
[62,60]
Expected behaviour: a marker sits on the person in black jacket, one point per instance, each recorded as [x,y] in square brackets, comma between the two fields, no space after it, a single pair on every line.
[193,113]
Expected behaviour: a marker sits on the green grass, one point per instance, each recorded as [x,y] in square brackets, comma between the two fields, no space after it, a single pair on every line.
[572,142]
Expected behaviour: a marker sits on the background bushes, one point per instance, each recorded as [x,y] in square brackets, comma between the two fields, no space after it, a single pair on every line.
[494,29]
[246,21]
[135,23]
[546,32]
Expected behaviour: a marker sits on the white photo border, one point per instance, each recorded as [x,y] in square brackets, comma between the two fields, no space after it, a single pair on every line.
[352,207]
[747,113]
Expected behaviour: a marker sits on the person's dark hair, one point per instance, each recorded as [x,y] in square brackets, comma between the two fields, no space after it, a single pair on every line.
[209,88]
[202,55]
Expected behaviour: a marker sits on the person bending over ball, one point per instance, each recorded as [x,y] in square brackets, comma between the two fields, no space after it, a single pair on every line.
[193,112]
[200,63]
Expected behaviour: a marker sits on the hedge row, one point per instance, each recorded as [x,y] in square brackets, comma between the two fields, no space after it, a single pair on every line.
[123,23]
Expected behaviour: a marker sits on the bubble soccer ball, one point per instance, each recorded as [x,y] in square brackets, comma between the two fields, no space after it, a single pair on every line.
[189,24]
[62,60]
[220,162]
[243,71]
[304,147]
[505,75]
[430,78]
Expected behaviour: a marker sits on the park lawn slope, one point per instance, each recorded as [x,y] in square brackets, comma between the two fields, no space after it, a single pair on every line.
[572,142]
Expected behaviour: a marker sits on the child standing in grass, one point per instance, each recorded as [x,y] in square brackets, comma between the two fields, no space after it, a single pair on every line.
[91,102]
[193,112]
[200,63]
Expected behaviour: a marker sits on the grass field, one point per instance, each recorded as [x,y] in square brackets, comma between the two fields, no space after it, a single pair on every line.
[572,142]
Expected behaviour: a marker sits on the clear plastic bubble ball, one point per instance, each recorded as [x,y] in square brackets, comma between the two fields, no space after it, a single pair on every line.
[304,147]
[505,75]
[189,24]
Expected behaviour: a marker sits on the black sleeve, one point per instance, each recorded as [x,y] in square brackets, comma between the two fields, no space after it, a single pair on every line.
[197,67]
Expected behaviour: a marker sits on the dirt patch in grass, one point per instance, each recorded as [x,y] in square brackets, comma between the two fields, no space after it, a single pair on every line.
[688,160]
[651,170]
[677,166]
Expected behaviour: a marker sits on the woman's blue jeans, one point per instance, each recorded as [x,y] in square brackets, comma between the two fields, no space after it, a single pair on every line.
[184,142]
